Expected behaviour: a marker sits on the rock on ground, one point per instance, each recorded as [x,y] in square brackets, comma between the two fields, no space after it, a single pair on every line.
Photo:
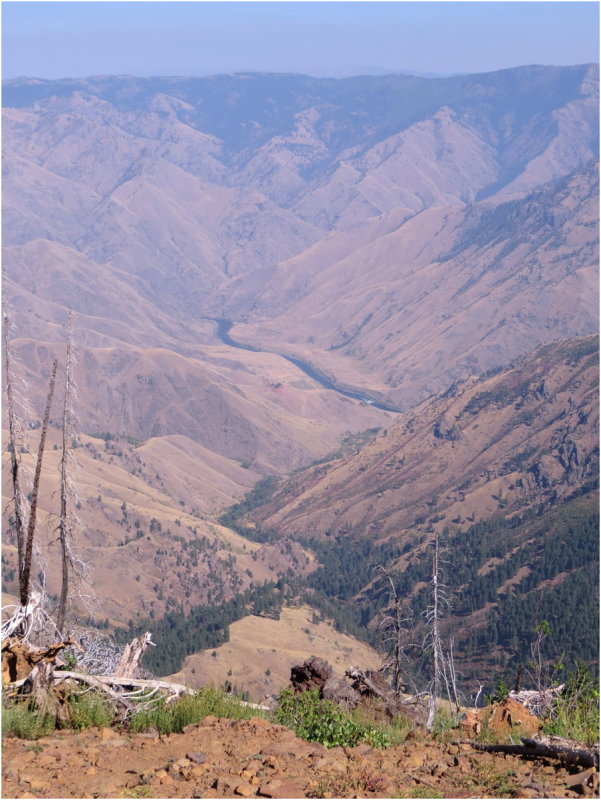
[254,758]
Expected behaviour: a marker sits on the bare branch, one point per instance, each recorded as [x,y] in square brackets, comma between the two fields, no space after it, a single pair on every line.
[393,633]
[22,619]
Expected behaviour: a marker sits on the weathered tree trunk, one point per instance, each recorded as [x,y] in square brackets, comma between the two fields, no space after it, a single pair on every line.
[14,450]
[19,657]
[64,527]
[39,685]
[130,660]
[436,642]
[25,573]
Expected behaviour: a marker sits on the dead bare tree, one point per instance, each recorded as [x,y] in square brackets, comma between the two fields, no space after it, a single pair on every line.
[100,656]
[23,620]
[34,619]
[443,663]
[452,680]
[14,435]
[25,567]
[392,632]
[435,642]
[69,563]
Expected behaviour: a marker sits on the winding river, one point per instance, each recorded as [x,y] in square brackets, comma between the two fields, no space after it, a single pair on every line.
[223,332]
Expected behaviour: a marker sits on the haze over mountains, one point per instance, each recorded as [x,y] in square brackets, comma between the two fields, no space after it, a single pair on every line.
[395,234]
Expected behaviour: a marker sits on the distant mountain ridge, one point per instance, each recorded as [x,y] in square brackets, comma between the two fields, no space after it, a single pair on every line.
[246,196]
[475,286]
[220,104]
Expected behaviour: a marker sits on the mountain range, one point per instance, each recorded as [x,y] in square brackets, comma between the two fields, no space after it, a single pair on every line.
[264,270]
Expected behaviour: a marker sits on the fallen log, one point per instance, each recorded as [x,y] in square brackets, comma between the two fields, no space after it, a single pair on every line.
[567,750]
[128,694]
[130,684]
[370,683]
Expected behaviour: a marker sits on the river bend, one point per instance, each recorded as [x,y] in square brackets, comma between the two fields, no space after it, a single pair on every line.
[223,332]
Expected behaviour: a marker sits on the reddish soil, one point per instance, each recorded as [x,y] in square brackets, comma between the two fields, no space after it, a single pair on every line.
[254,758]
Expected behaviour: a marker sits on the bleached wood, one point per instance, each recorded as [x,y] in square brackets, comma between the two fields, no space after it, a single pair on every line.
[132,654]
[125,683]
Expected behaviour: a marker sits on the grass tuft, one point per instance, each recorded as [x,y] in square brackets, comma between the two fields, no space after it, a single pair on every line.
[90,710]
[189,710]
[575,713]
[20,720]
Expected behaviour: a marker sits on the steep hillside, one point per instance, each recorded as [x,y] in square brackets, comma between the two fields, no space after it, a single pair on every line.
[443,294]
[146,529]
[505,469]
[507,442]
[256,408]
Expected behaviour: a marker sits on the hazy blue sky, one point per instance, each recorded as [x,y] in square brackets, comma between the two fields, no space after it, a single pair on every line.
[77,39]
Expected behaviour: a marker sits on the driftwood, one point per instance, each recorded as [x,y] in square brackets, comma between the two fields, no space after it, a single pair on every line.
[369,683]
[130,660]
[537,702]
[567,750]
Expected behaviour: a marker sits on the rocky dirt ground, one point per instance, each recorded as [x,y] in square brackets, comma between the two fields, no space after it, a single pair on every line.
[254,758]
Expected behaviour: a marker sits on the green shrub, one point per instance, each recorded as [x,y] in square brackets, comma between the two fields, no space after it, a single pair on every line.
[395,729]
[322,721]
[20,720]
[501,692]
[173,718]
[90,710]
[575,713]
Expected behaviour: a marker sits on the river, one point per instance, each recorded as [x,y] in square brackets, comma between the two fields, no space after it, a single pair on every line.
[223,332]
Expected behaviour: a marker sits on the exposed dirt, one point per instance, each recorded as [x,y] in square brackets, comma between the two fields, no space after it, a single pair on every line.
[254,758]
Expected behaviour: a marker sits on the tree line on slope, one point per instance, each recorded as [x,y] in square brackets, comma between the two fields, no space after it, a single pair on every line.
[558,549]
[178,635]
